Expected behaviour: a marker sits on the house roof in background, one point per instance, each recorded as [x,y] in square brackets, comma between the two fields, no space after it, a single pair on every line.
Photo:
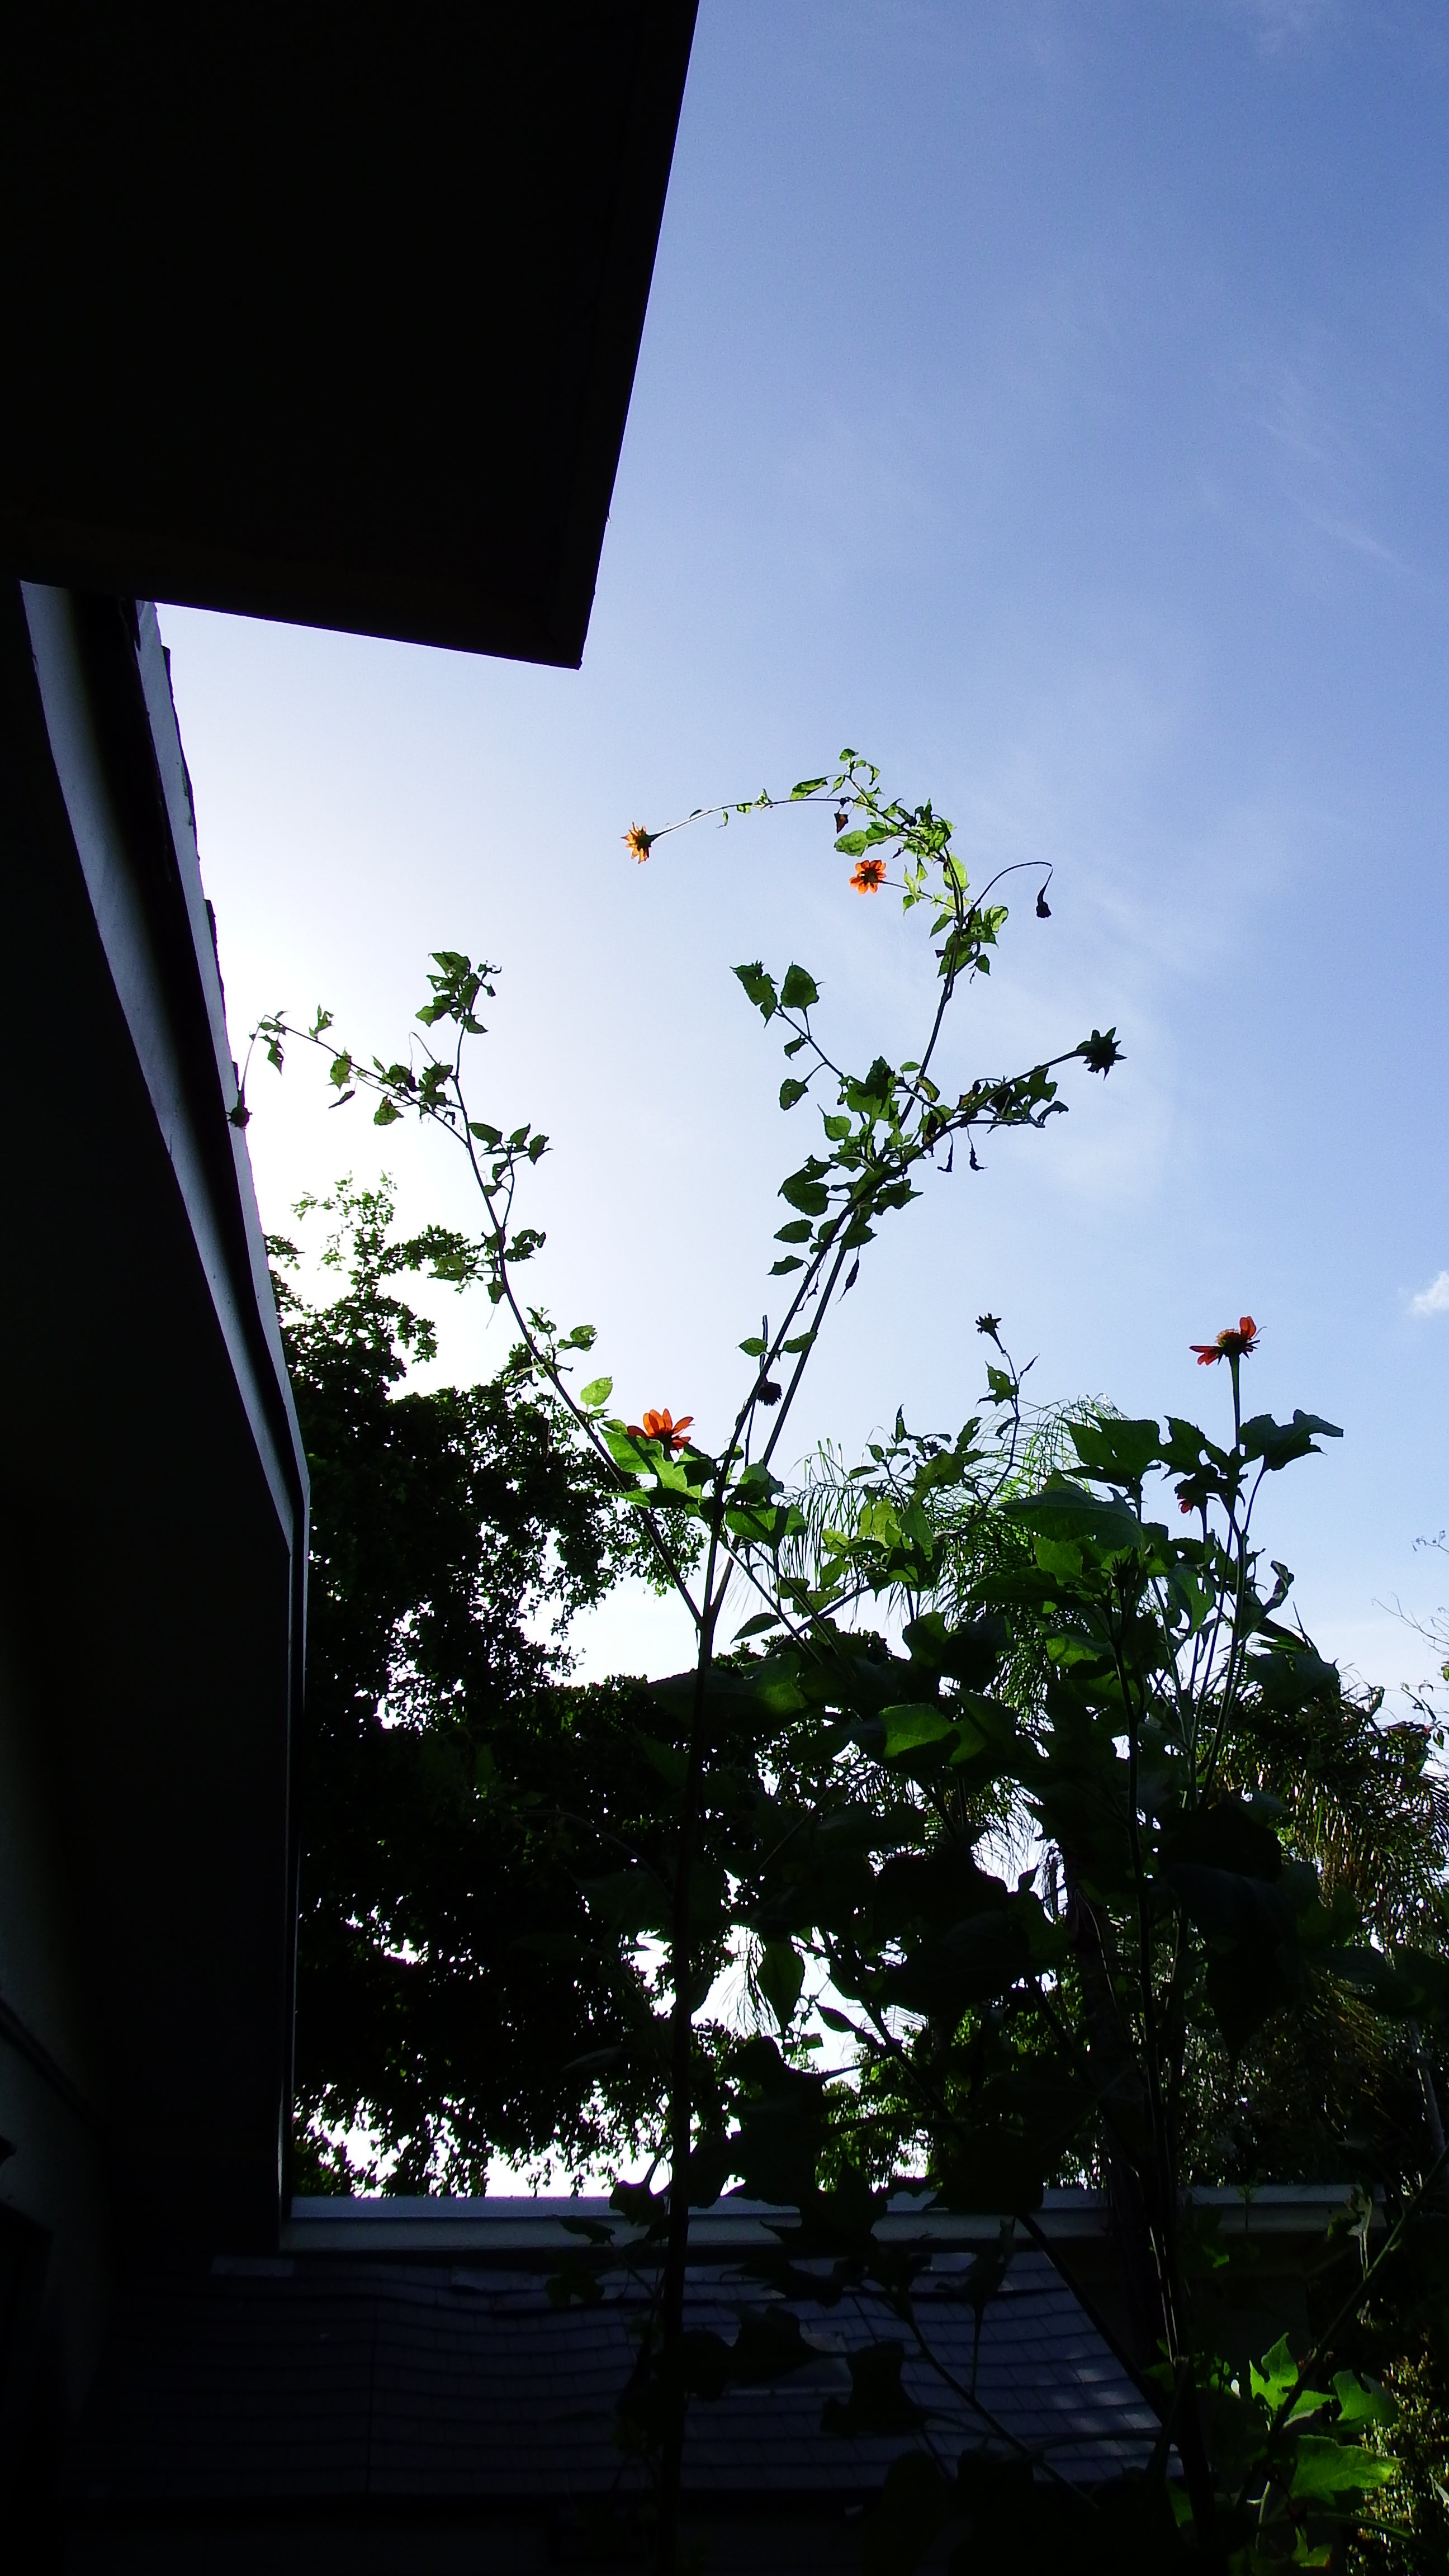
[332,316]
[338,2379]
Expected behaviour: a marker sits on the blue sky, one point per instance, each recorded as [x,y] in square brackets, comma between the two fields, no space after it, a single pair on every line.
[1049,397]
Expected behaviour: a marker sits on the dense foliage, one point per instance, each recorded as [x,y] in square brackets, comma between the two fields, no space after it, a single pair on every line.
[454,1533]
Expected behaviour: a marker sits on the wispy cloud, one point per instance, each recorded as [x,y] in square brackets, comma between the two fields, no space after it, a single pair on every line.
[1285,22]
[1433,1300]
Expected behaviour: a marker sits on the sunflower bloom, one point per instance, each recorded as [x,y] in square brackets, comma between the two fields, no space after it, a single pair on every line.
[639,841]
[663,1427]
[1233,1343]
[868,876]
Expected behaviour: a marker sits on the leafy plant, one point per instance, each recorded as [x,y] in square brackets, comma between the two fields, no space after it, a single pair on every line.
[1112,1685]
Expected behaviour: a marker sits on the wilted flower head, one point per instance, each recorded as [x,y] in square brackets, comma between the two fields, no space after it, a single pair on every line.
[868,876]
[662,1426]
[639,841]
[1233,1343]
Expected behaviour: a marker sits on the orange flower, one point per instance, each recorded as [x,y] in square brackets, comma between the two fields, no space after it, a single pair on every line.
[1230,1344]
[662,1426]
[639,841]
[868,876]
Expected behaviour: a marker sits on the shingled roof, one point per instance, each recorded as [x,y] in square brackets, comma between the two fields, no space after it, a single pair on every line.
[318,2391]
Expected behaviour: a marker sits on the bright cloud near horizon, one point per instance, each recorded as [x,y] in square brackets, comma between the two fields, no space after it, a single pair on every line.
[1047,398]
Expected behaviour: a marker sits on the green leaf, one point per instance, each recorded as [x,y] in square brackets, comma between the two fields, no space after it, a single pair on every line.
[780,1976]
[792,1261]
[1291,1675]
[760,988]
[805,1193]
[791,1091]
[799,1230]
[755,1627]
[920,1722]
[597,1392]
[753,1348]
[1271,2379]
[386,1114]
[1325,2469]
[1060,1556]
[1063,1510]
[1276,1443]
[1119,1452]
[807,787]
[1360,2401]
[799,990]
[851,845]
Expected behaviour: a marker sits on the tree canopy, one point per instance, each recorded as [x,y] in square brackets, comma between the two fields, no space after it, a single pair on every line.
[455,1792]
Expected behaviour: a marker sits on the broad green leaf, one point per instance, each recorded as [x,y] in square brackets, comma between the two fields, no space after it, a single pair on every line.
[753,1348]
[1271,2379]
[1120,1451]
[791,1091]
[1291,1675]
[852,845]
[1063,1510]
[806,1193]
[1327,2469]
[1057,1555]
[908,1728]
[807,787]
[1360,2401]
[780,1269]
[1276,1443]
[799,1230]
[597,1392]
[799,990]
